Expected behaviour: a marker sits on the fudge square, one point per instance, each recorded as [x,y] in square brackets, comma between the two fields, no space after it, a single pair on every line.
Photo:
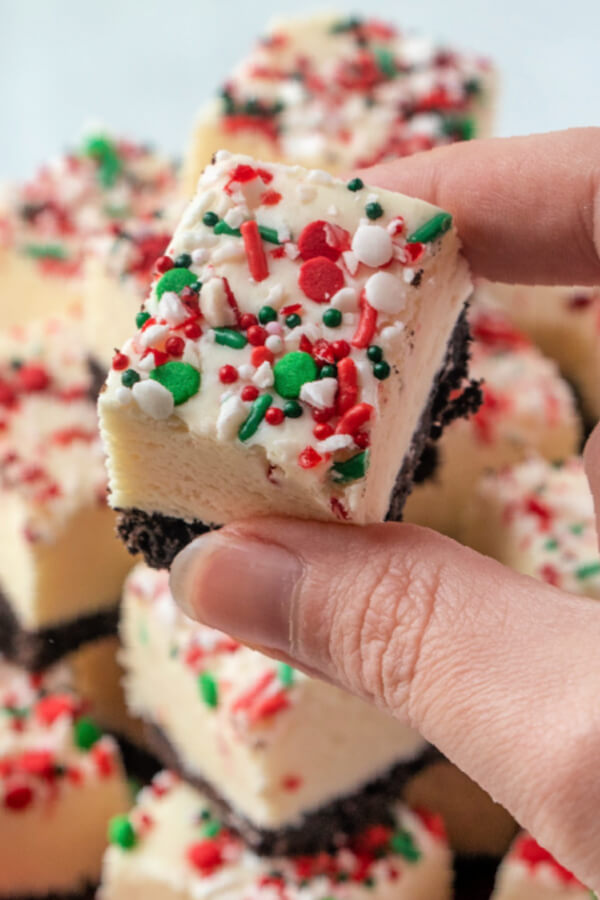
[340,93]
[290,761]
[530,873]
[173,846]
[61,781]
[300,339]
[61,566]
[46,222]
[527,407]
[539,519]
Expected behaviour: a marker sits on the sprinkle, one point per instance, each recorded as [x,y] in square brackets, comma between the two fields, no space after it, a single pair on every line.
[347,385]
[223,228]
[293,320]
[372,245]
[260,355]
[402,843]
[175,346]
[175,280]
[172,309]
[122,833]
[18,797]
[334,442]
[309,458]
[385,293]
[332,318]
[249,392]
[320,279]
[292,409]
[163,264]
[255,254]
[352,469]
[374,210]
[45,251]
[345,300]
[183,261]
[267,314]
[228,374]
[86,733]
[587,571]
[354,418]
[105,153]
[256,335]
[154,334]
[263,377]
[182,380]
[153,399]
[430,230]
[232,413]
[210,219]
[374,353]
[319,394]
[205,855]
[274,416]
[230,338]
[257,414]
[141,319]
[129,378]
[292,371]
[274,343]
[329,370]
[286,674]
[355,184]
[366,324]
[209,690]
[381,370]
[318,239]
[269,234]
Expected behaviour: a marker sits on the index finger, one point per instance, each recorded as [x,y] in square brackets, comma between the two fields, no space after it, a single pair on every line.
[527,208]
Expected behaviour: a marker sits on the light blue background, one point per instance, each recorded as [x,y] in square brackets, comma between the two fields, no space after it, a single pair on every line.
[143,67]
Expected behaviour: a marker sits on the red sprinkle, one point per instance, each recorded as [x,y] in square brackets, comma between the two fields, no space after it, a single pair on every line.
[120,361]
[537,508]
[347,385]
[340,349]
[354,419]
[232,303]
[322,431]
[323,415]
[49,708]
[228,374]
[270,198]
[205,855]
[260,355]
[414,251]
[318,239]
[255,253]
[175,346]
[18,797]
[363,336]
[433,822]
[256,335]
[247,321]
[320,279]
[530,852]
[249,393]
[103,758]
[248,698]
[33,377]
[291,782]
[305,345]
[309,458]
[362,439]
[274,415]
[163,264]
[192,330]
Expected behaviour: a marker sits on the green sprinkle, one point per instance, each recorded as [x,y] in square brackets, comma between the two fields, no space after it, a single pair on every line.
[104,151]
[381,370]
[292,409]
[292,371]
[129,378]
[577,528]
[369,882]
[355,184]
[141,319]
[464,129]
[210,219]
[386,62]
[269,234]
[15,712]
[286,674]
[352,469]
[229,337]
[332,318]
[86,733]
[255,417]
[223,228]
[402,842]
[266,314]
[122,833]
[429,231]
[45,251]
[472,86]
[183,261]
[329,370]
[293,320]
[551,544]
[175,280]
[180,378]
[209,689]
[588,570]
[374,210]
[211,829]
[374,353]
[348,24]
[205,815]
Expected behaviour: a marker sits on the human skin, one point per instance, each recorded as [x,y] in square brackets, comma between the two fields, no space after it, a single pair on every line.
[494,668]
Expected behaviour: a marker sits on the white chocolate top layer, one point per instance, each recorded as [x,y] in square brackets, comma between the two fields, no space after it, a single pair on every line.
[530,873]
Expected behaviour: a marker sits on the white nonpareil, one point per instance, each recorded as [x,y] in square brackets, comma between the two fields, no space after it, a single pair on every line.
[372,245]
[385,293]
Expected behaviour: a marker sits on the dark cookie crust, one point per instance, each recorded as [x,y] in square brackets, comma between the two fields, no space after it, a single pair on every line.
[159,538]
[36,650]
[319,829]
[87,892]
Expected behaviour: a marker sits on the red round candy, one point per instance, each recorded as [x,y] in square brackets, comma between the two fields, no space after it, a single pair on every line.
[320,279]
[18,797]
[256,335]
[33,377]
[163,264]
[120,361]
[341,349]
[175,346]
[260,355]
[192,330]
[313,241]
[274,415]
[247,320]
[309,458]
[228,374]
[362,439]
[249,393]
[323,415]
[205,855]
[322,431]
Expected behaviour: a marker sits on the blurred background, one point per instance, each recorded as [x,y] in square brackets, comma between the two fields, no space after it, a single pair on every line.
[142,67]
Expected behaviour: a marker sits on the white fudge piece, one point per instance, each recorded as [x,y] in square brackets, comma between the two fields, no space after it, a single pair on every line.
[181,464]
[530,873]
[61,781]
[338,93]
[538,518]
[173,847]
[274,744]
[527,407]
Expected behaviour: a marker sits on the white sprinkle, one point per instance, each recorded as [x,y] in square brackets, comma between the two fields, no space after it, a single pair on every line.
[172,309]
[236,215]
[291,250]
[231,415]
[372,245]
[199,256]
[333,210]
[153,399]
[153,335]
[273,328]
[318,176]
[306,193]
[222,155]
[408,275]
[335,442]
[123,395]
[320,394]
[263,377]
[385,292]
[147,363]
[390,333]
[228,250]
[350,261]
[214,305]
[246,371]
[276,296]
[345,299]
[274,343]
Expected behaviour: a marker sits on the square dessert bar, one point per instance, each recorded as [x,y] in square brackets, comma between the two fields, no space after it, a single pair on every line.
[337,93]
[530,873]
[289,760]
[527,407]
[61,781]
[45,223]
[173,846]
[539,519]
[300,342]
[61,566]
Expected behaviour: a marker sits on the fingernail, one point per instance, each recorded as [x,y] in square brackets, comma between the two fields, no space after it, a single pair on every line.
[242,586]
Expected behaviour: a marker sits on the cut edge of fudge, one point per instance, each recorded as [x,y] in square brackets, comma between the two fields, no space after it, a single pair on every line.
[319,828]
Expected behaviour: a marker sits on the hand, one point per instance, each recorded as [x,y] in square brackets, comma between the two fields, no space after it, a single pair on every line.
[499,671]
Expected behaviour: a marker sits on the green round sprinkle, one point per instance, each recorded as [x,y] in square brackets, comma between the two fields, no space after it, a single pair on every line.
[374,353]
[206,815]
[374,210]
[182,379]
[472,86]
[402,842]
[175,280]
[293,320]
[209,689]
[292,371]
[381,370]
[351,469]
[292,409]
[86,732]
[329,370]
[229,337]
[286,674]
[183,261]
[211,829]
[223,228]
[129,378]
[255,417]
[332,318]
[355,184]
[142,318]
[266,314]
[433,228]
[210,219]
[551,544]
[122,833]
